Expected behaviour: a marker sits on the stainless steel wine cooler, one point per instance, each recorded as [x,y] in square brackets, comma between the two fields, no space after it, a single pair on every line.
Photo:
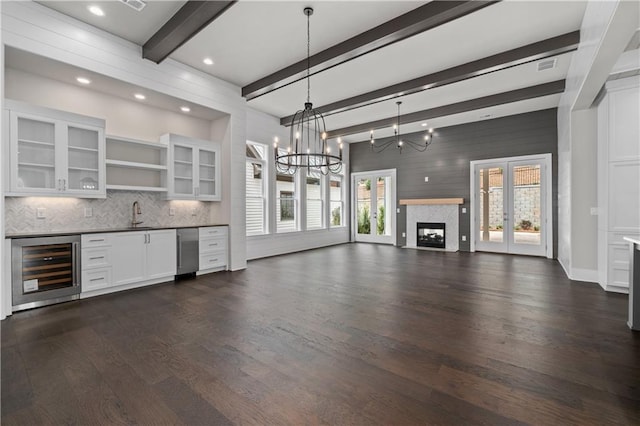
[45,271]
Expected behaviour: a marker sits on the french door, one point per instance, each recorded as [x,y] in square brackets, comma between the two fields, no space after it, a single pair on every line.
[374,200]
[511,205]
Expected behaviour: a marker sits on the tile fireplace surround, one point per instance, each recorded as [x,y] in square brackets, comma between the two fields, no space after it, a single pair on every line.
[433,210]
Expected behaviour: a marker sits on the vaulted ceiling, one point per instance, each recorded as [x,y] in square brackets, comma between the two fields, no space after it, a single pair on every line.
[449,62]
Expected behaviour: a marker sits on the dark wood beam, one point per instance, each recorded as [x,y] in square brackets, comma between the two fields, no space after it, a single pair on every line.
[421,19]
[501,61]
[459,107]
[186,23]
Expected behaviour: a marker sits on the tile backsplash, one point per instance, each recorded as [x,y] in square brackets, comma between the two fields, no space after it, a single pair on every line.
[115,211]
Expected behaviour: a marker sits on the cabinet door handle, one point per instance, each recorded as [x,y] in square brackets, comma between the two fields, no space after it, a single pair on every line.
[95,241]
[97,279]
[96,257]
[213,245]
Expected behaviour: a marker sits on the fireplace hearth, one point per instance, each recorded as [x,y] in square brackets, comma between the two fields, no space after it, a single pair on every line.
[431,234]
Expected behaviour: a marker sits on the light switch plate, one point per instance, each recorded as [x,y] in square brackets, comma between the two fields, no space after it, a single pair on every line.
[594,211]
[404,235]
[464,210]
[88,212]
[41,213]
[464,238]
[426,178]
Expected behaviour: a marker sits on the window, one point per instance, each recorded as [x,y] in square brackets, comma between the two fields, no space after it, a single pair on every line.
[336,203]
[256,188]
[315,198]
[286,206]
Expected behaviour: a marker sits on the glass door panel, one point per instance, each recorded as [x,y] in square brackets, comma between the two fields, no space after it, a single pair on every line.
[490,214]
[363,205]
[207,173]
[526,208]
[374,201]
[36,154]
[380,214]
[183,170]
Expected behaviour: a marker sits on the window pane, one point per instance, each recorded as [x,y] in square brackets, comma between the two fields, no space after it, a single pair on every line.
[314,200]
[335,194]
[255,216]
[491,205]
[255,181]
[286,205]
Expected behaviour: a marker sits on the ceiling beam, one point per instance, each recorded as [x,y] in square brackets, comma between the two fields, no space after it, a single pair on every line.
[537,91]
[501,61]
[421,19]
[192,18]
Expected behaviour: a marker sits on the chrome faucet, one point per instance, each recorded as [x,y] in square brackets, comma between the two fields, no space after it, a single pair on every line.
[136,212]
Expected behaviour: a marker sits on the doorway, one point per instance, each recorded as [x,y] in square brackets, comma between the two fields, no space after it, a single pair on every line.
[374,198]
[511,205]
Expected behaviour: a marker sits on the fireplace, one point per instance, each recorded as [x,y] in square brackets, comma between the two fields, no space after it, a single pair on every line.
[431,234]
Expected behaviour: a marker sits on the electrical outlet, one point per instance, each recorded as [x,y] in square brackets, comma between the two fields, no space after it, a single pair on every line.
[194,212]
[404,235]
[426,178]
[464,238]
[41,213]
[594,211]
[172,211]
[88,212]
[398,210]
[464,210]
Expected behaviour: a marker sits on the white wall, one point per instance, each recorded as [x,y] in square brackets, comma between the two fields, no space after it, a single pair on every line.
[263,128]
[606,30]
[127,118]
[42,31]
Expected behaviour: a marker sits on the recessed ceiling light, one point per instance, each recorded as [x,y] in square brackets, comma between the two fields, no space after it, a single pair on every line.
[83,80]
[96,10]
[140,96]
[424,124]
[185,109]
[208,61]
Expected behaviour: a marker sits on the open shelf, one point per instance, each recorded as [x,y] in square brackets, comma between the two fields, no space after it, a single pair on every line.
[135,165]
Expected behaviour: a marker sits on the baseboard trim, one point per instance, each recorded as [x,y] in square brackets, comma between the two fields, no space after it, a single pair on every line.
[581,274]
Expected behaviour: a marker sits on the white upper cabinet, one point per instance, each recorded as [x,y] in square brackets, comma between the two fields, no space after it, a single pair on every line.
[193,169]
[54,153]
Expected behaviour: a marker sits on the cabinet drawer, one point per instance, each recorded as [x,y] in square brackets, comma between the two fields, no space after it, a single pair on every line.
[98,257]
[95,240]
[213,260]
[212,231]
[213,244]
[95,279]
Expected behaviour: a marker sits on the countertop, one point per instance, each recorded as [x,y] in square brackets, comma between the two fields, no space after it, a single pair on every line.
[102,231]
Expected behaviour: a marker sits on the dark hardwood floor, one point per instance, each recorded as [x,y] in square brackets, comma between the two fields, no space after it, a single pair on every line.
[350,334]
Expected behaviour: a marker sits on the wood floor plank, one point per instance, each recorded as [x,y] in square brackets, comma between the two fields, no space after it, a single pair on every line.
[352,334]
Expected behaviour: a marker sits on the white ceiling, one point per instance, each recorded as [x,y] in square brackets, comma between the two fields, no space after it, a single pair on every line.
[253,39]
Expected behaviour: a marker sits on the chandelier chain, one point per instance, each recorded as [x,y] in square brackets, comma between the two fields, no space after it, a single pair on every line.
[308,58]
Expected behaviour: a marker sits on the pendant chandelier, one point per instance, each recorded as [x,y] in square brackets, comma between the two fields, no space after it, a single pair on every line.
[398,141]
[308,147]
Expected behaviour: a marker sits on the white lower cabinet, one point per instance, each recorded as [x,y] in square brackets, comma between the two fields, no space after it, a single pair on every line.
[120,260]
[213,249]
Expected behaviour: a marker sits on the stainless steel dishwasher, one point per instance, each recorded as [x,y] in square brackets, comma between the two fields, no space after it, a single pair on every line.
[187,241]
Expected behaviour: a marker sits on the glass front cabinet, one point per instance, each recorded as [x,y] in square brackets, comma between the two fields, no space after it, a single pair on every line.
[54,153]
[194,171]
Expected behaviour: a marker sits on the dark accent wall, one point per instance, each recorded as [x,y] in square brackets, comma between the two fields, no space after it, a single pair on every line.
[446,161]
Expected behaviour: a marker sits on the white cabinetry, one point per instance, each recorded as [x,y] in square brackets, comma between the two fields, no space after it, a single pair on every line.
[121,260]
[135,165]
[54,153]
[618,180]
[193,168]
[213,249]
